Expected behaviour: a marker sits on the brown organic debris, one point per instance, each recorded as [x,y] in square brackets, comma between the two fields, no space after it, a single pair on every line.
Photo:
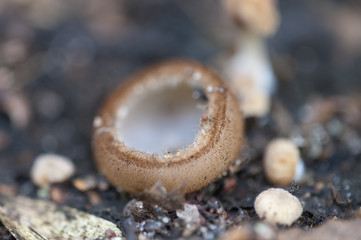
[159,196]
[85,183]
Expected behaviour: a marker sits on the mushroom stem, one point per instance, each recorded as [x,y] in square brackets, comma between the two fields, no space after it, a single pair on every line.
[250,73]
[249,69]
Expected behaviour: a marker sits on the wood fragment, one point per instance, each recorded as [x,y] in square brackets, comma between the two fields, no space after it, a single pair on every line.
[31,219]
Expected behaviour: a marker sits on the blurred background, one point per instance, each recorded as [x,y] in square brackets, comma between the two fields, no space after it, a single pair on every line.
[60,58]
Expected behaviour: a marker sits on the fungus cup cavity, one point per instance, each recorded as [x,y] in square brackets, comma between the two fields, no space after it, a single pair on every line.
[176,122]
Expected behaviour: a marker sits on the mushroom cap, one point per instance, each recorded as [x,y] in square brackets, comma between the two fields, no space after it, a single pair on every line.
[257,16]
[281,160]
[277,206]
[216,144]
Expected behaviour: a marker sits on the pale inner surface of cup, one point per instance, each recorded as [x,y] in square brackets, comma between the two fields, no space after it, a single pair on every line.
[161,120]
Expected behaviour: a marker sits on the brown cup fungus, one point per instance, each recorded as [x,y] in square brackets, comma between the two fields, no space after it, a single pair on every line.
[176,122]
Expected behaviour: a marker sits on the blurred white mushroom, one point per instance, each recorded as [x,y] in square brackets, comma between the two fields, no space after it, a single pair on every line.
[251,75]
[259,17]
[249,69]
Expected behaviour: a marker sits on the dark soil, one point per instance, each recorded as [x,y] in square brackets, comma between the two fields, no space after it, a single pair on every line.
[68,69]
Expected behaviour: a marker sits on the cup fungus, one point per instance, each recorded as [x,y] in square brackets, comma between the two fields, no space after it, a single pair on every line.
[176,122]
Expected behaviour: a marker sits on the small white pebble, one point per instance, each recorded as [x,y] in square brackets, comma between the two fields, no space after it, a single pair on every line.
[165,220]
[277,206]
[282,162]
[51,168]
